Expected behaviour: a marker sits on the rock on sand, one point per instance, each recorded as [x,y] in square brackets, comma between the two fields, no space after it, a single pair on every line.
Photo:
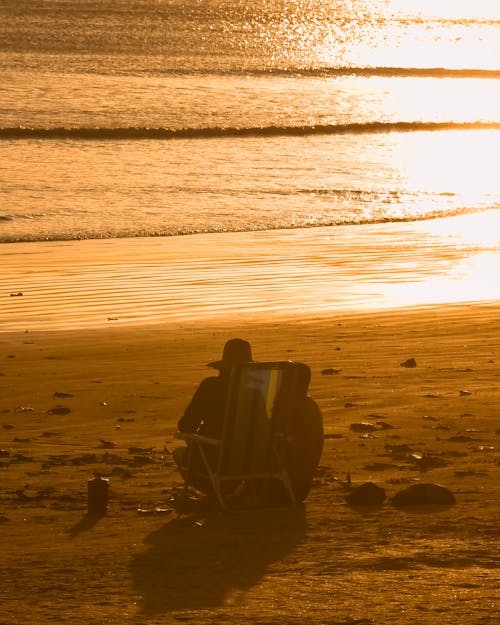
[423,495]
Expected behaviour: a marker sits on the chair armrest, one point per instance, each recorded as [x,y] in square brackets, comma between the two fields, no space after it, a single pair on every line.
[206,440]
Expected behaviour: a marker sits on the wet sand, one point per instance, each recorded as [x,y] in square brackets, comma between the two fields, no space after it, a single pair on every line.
[257,275]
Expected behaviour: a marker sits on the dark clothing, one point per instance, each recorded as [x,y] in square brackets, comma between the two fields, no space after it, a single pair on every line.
[302,425]
[205,413]
[305,446]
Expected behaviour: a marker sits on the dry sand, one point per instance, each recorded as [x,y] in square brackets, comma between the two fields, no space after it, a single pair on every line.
[125,387]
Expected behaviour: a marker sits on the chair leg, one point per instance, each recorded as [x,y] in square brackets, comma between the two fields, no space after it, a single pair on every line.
[215,483]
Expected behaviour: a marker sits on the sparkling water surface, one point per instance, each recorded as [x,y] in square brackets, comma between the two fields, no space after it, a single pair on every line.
[297,113]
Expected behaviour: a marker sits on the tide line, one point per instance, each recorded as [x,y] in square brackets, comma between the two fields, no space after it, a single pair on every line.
[270,274]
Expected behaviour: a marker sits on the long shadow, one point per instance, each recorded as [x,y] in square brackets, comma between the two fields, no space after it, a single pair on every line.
[86,523]
[193,565]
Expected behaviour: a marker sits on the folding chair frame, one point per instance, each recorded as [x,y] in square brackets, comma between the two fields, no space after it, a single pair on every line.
[218,475]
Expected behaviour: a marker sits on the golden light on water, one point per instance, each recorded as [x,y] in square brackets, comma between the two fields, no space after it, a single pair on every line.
[470,280]
[467,263]
[447,9]
[460,162]
[424,35]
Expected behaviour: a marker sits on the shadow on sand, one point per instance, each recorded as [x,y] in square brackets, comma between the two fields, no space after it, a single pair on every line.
[193,564]
[86,523]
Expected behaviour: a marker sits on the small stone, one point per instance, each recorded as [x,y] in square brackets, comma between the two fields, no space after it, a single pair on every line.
[330,371]
[463,393]
[410,363]
[399,451]
[59,410]
[362,427]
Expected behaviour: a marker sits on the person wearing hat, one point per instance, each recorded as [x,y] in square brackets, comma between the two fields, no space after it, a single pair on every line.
[205,412]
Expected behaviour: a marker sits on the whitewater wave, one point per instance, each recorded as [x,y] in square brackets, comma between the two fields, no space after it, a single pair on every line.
[109,133]
[324,71]
[247,227]
[397,72]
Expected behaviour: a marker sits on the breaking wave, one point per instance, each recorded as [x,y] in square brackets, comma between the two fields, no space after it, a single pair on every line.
[129,133]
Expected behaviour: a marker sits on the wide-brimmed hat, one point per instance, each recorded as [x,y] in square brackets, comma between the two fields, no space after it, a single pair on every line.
[235,352]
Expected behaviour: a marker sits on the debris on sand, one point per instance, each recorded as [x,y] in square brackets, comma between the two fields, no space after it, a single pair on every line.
[409,364]
[362,427]
[140,450]
[59,410]
[368,494]
[423,495]
[106,444]
[330,371]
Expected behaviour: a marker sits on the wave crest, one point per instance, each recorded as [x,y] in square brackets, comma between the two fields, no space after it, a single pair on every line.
[103,134]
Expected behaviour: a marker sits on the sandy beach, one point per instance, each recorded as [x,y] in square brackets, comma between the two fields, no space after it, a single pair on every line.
[315,177]
[81,391]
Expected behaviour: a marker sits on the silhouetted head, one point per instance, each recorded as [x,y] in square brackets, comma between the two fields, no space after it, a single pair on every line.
[236,351]
[303,378]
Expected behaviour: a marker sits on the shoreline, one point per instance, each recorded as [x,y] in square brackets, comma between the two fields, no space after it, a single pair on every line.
[278,274]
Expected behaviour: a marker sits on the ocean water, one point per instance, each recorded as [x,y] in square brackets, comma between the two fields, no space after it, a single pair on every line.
[123,118]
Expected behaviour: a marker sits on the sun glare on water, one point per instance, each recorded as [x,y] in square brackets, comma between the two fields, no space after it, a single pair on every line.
[418,34]
[448,9]
[466,265]
[455,162]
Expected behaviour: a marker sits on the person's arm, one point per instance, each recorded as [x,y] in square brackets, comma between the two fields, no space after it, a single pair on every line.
[195,412]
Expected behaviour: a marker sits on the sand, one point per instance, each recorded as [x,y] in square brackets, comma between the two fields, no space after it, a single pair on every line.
[102,344]
[122,388]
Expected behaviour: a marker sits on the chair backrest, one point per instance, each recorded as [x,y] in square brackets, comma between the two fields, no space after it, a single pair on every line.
[259,400]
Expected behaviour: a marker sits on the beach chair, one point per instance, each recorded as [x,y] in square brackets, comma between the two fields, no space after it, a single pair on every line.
[252,447]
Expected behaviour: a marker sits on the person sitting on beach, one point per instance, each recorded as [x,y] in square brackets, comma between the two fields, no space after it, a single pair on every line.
[206,410]
[303,424]
[303,446]
[306,436]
